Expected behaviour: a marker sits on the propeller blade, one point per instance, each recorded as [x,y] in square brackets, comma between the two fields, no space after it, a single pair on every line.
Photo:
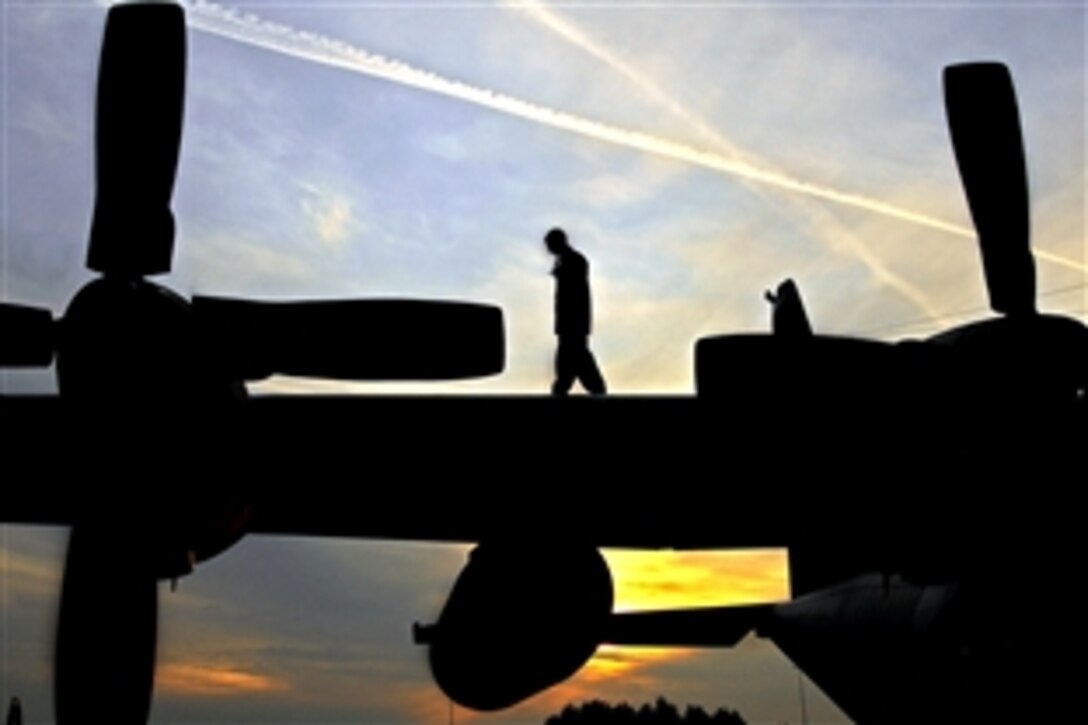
[141,96]
[985,126]
[26,336]
[105,656]
[351,339]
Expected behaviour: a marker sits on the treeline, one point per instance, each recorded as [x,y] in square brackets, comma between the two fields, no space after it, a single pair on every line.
[661,712]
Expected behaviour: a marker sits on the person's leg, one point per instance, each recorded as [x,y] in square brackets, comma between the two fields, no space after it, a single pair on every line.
[589,373]
[566,367]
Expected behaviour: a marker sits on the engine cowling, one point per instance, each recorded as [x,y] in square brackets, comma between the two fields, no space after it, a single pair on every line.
[520,618]
[196,531]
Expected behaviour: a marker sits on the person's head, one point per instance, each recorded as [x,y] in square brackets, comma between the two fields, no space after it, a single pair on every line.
[556,240]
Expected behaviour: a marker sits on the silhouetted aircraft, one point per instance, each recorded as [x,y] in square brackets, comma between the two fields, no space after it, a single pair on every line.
[918,615]
[877,464]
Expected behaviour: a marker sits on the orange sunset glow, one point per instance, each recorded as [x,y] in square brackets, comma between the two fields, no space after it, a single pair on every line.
[675,579]
[669,579]
[658,580]
[337,644]
[195,679]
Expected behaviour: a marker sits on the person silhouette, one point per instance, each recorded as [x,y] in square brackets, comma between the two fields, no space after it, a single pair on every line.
[15,712]
[573,318]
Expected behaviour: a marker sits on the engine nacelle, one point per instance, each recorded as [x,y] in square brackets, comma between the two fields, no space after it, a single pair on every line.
[196,531]
[164,538]
[520,618]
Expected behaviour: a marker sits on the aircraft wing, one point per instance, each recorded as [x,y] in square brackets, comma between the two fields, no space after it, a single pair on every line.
[639,471]
[692,627]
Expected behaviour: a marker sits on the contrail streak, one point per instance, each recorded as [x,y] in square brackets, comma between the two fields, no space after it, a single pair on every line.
[574,35]
[1059,260]
[577,37]
[247,28]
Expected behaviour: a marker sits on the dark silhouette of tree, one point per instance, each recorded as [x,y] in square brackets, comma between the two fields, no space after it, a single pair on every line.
[662,712]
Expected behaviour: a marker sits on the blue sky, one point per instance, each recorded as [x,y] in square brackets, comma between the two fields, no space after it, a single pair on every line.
[303,176]
[299,179]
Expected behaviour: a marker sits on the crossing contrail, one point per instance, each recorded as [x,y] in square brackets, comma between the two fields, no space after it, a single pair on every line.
[545,17]
[830,231]
[246,27]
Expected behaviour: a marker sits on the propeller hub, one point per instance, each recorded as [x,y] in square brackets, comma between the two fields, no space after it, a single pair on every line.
[126,343]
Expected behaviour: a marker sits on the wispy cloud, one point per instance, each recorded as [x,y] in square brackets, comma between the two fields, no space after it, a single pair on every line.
[612,663]
[578,37]
[251,29]
[224,264]
[823,224]
[331,214]
[667,579]
[611,190]
[24,574]
[201,680]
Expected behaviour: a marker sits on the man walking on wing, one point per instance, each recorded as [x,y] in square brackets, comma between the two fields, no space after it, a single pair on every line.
[573,317]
